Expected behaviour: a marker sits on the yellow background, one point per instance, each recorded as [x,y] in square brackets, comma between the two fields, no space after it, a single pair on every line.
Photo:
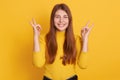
[16,36]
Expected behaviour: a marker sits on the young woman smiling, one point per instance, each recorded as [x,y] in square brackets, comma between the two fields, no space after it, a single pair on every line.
[60,50]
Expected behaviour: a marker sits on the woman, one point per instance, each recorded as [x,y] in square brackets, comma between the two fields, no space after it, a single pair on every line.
[60,50]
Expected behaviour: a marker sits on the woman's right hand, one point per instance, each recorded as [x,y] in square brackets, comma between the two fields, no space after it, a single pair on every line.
[36,27]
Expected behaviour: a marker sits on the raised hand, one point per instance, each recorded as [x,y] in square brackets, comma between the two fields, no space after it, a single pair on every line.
[36,27]
[85,31]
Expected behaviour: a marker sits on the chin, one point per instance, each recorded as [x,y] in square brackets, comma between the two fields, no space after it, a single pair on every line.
[61,29]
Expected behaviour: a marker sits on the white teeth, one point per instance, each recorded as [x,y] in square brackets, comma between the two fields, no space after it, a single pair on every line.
[61,25]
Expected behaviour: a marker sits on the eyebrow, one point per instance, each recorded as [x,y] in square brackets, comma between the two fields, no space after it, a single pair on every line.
[66,15]
[59,15]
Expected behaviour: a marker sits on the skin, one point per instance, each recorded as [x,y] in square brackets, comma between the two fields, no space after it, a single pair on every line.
[61,23]
[61,20]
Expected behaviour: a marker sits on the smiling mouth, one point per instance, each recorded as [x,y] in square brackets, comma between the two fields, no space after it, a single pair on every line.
[61,25]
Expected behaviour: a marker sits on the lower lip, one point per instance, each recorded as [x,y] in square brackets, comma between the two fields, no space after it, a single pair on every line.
[61,25]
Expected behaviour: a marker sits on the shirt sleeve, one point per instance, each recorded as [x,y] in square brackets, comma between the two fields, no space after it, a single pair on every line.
[39,57]
[81,56]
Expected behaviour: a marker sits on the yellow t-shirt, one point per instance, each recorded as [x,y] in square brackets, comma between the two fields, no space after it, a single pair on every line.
[56,70]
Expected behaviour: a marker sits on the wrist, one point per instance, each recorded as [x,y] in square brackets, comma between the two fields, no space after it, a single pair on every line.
[85,39]
[85,44]
[36,35]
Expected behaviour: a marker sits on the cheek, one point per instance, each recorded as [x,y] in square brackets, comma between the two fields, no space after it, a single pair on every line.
[67,20]
[56,21]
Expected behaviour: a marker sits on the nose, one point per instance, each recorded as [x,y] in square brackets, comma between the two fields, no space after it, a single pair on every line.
[61,20]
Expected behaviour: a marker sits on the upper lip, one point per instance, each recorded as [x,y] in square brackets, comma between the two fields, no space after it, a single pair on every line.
[61,24]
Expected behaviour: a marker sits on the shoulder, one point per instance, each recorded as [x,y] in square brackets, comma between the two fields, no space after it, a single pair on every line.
[42,37]
[77,37]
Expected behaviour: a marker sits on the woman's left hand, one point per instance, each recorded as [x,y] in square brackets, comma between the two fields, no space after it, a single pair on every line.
[85,31]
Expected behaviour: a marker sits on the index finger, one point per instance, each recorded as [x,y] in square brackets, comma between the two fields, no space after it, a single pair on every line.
[34,22]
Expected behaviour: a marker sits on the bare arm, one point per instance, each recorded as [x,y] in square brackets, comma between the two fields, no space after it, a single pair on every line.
[36,30]
[83,58]
[39,45]
[85,34]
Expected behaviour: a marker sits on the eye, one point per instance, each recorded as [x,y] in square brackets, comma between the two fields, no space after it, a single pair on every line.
[65,16]
[57,16]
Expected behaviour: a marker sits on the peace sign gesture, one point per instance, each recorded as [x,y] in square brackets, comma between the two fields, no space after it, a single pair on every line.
[36,27]
[85,31]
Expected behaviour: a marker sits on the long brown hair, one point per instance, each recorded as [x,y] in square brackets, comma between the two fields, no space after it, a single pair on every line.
[69,47]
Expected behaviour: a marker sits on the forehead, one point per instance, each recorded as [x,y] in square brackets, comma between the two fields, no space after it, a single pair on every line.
[60,12]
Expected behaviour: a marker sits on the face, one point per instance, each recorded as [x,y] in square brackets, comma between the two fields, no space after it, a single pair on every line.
[61,20]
